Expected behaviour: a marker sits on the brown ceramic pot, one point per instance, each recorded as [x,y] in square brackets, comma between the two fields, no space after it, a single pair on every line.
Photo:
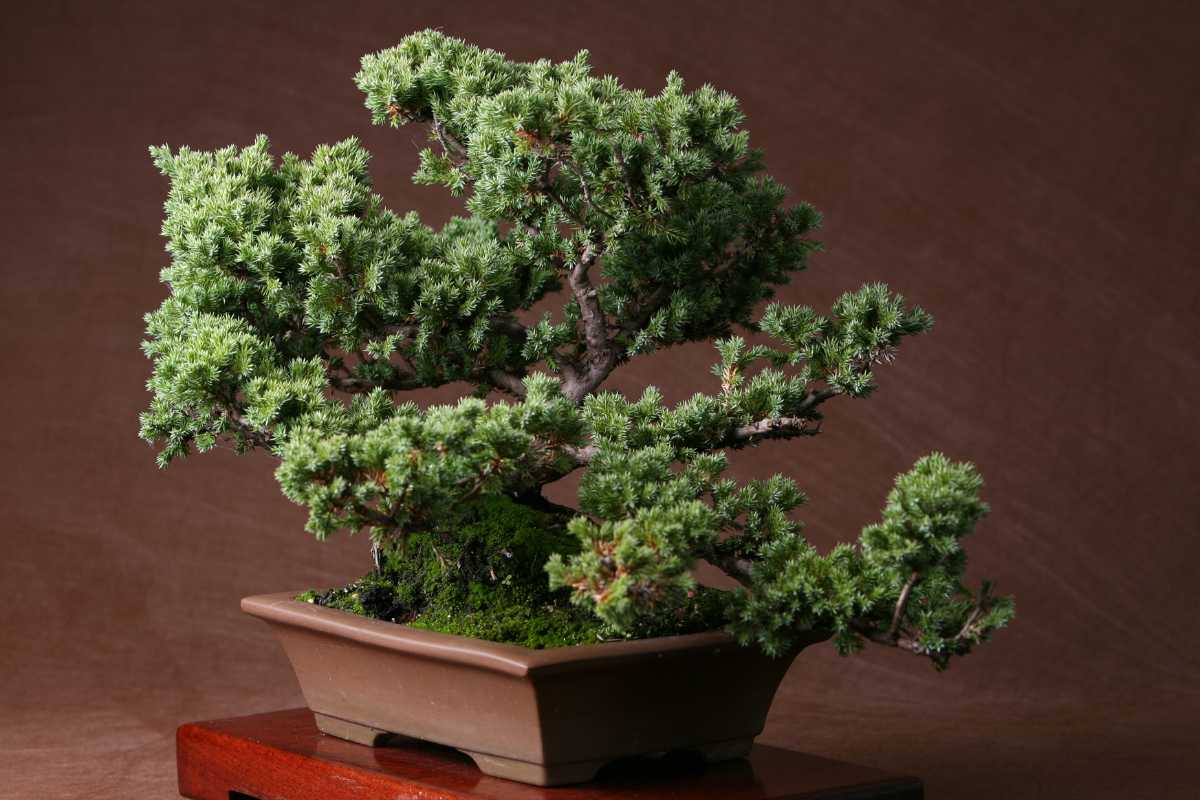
[546,717]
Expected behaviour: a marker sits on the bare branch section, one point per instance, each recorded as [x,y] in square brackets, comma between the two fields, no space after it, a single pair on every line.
[451,145]
[595,325]
[602,353]
[773,428]
[507,382]
[902,604]
[239,425]
[804,422]
[897,636]
[582,456]
[736,568]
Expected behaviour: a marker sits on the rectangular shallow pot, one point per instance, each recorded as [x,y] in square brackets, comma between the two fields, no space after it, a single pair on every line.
[546,717]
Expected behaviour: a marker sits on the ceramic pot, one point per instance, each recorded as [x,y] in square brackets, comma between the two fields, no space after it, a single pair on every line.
[545,717]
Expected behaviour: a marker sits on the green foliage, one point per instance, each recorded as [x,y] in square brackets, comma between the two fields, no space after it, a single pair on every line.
[859,593]
[636,562]
[865,329]
[485,581]
[414,468]
[931,508]
[928,513]
[301,309]
[667,185]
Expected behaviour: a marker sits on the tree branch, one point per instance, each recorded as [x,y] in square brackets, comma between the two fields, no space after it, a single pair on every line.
[581,455]
[362,385]
[895,635]
[641,313]
[736,568]
[248,432]
[804,422]
[595,325]
[815,399]
[901,642]
[507,382]
[583,186]
[901,604]
[451,145]
[981,608]
[601,352]
[627,178]
[772,428]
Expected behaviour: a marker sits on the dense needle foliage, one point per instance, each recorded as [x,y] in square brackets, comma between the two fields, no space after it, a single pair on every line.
[301,310]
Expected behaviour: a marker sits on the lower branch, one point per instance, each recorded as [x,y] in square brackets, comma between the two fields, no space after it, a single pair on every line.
[361,385]
[581,455]
[257,438]
[901,642]
[734,567]
[507,382]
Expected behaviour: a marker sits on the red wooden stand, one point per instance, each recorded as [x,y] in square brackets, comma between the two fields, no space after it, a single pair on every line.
[282,756]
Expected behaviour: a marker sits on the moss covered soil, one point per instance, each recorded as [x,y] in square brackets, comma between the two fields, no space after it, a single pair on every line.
[488,581]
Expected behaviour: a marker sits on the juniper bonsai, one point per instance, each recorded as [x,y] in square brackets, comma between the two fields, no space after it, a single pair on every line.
[604,223]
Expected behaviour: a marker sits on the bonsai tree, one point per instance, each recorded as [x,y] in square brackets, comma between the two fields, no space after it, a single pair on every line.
[603,224]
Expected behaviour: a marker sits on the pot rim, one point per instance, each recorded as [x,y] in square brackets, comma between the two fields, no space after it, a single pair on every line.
[282,608]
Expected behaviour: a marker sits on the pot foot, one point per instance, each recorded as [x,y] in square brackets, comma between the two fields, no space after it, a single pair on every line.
[354,731]
[725,750]
[537,774]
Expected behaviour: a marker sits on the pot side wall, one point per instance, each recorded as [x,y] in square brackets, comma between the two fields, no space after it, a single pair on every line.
[452,704]
[541,716]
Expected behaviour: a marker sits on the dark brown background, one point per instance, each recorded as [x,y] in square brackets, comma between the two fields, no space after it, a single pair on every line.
[1029,173]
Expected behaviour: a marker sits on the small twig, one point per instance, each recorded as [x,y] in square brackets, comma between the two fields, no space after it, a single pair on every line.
[584,188]
[255,437]
[628,178]
[901,604]
[507,381]
[971,620]
[815,399]
[450,144]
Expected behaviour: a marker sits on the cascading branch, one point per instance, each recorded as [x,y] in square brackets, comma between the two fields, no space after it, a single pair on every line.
[301,310]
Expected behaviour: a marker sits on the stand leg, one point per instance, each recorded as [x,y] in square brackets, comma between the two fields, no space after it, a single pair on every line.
[537,774]
[582,771]
[352,731]
[726,750]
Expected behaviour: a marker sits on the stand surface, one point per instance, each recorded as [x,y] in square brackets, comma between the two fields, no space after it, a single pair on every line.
[282,756]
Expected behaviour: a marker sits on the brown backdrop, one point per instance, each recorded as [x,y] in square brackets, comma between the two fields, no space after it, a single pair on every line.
[1029,173]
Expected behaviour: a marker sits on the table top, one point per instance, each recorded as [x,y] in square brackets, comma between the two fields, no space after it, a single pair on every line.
[283,755]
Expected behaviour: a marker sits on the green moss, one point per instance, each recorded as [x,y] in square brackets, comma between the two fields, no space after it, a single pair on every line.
[484,580]
[487,580]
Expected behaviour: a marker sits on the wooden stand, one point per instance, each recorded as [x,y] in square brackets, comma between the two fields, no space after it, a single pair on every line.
[282,756]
